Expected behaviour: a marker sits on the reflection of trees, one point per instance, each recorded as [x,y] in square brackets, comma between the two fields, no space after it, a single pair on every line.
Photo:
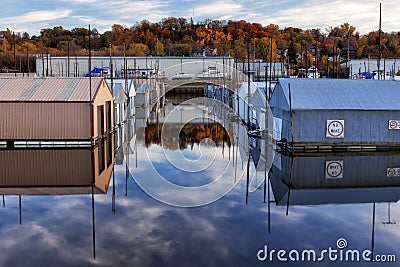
[189,135]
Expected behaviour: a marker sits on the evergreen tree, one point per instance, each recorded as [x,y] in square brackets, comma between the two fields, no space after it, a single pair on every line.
[292,53]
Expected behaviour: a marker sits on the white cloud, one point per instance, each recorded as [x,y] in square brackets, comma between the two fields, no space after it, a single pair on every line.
[103,14]
[37,16]
[364,16]
[218,9]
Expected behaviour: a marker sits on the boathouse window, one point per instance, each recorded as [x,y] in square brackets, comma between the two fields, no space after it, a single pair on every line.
[100,120]
[109,126]
[109,152]
[101,156]
[109,116]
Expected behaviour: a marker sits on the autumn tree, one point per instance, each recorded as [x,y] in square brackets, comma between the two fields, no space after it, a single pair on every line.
[179,37]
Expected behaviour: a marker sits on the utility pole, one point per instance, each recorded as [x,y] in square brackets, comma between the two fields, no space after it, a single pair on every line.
[15,55]
[348,49]
[379,37]
[27,61]
[68,64]
[270,68]
[248,85]
[316,56]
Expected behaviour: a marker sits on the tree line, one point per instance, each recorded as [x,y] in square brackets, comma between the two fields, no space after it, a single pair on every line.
[178,37]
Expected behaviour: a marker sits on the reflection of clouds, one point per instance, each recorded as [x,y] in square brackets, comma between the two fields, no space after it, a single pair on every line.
[174,179]
[153,181]
[56,231]
[389,230]
[211,166]
[48,234]
[320,227]
[162,178]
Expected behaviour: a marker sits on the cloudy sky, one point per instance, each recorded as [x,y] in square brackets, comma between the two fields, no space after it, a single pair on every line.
[33,15]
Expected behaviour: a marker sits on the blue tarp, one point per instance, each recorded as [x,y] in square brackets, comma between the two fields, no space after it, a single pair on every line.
[368,75]
[95,70]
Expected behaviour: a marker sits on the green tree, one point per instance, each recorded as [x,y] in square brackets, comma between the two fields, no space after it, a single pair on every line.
[292,54]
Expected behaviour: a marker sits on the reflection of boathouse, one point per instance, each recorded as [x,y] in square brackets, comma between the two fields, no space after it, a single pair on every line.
[54,109]
[316,112]
[57,171]
[73,171]
[333,178]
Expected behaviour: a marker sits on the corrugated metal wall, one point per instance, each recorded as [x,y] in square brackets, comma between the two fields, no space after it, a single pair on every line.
[54,120]
[44,120]
[168,65]
[358,171]
[310,125]
[364,179]
[360,126]
[25,168]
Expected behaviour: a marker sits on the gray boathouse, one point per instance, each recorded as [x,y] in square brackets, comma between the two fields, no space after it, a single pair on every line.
[329,113]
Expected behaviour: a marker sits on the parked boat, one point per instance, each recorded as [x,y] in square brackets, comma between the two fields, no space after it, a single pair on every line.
[211,73]
[311,73]
[182,76]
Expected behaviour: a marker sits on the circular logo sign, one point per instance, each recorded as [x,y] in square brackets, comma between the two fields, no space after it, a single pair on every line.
[391,172]
[335,128]
[393,124]
[334,169]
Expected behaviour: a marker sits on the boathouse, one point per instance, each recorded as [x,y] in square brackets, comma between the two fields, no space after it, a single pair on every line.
[120,94]
[144,91]
[329,113]
[53,109]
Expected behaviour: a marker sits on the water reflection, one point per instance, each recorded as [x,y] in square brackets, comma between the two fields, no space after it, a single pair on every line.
[326,179]
[303,208]
[56,171]
[188,148]
[189,135]
[27,173]
[352,190]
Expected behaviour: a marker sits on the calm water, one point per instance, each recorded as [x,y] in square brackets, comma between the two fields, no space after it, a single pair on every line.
[306,210]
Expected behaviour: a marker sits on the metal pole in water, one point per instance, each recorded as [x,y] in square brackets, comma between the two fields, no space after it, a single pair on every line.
[93,227]
[113,192]
[20,209]
[248,174]
[270,69]
[373,232]
[248,86]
